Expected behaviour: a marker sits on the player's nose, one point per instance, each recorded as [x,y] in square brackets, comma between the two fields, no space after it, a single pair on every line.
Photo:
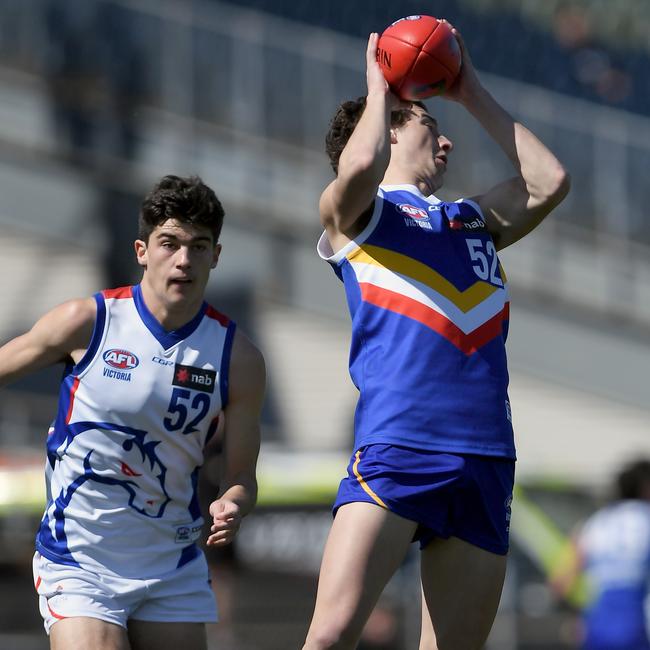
[183,257]
[445,143]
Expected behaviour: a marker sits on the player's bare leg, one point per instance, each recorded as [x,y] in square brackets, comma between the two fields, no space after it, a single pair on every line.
[145,635]
[427,635]
[462,587]
[366,545]
[85,633]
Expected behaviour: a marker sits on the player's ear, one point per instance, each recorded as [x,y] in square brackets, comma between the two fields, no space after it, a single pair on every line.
[140,252]
[393,136]
[215,255]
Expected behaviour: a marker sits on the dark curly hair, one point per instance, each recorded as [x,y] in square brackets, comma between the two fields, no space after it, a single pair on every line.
[345,120]
[634,479]
[189,200]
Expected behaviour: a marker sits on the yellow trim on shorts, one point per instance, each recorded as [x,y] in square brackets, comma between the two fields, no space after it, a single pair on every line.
[363,484]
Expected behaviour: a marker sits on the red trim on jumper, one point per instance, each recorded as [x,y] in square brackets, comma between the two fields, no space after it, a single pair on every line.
[55,614]
[400,304]
[38,583]
[211,312]
[120,292]
[73,390]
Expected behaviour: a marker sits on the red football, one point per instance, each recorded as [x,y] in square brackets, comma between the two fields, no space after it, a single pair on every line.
[419,56]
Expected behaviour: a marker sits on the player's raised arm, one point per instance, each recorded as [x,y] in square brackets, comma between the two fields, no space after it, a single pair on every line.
[60,335]
[241,442]
[516,206]
[365,157]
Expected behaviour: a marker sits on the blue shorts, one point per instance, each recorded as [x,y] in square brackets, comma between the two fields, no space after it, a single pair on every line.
[459,495]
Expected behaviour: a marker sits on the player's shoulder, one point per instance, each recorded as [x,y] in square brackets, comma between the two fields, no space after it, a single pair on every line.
[636,508]
[69,325]
[219,317]
[117,293]
[75,313]
[247,369]
[613,515]
[464,215]
[467,206]
[246,354]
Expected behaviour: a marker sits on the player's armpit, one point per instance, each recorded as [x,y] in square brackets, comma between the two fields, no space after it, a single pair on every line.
[62,334]
[337,237]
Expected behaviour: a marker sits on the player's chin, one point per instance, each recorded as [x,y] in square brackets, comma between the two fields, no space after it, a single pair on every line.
[180,287]
[179,292]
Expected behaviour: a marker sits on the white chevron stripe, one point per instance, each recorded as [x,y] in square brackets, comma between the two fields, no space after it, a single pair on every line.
[466,322]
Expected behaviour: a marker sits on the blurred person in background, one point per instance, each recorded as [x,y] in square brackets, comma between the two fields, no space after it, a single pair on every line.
[593,68]
[151,373]
[434,451]
[612,551]
[93,71]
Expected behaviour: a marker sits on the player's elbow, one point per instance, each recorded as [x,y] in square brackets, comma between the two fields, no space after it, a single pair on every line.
[557,186]
[562,183]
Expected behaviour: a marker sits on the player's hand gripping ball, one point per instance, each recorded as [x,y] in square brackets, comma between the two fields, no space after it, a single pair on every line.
[419,56]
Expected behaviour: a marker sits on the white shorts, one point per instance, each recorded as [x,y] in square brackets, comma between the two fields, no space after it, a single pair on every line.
[182,596]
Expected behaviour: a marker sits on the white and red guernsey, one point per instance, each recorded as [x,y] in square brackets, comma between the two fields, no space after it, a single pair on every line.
[124,452]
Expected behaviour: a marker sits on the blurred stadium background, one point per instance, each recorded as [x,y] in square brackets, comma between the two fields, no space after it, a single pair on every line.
[101,97]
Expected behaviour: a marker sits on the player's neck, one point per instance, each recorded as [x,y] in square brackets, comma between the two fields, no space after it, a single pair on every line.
[396,175]
[405,179]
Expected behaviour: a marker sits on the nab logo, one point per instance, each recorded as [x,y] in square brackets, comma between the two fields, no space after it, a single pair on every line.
[202,379]
[413,211]
[459,224]
[120,359]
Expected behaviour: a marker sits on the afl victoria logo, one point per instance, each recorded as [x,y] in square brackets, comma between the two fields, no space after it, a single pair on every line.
[413,211]
[120,359]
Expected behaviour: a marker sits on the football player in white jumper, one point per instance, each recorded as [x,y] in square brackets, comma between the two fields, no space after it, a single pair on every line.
[151,373]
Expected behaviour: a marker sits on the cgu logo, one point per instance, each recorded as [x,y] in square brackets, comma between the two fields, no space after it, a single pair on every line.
[121,359]
[413,211]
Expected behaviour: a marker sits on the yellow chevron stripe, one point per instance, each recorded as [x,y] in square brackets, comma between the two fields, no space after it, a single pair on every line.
[363,484]
[404,265]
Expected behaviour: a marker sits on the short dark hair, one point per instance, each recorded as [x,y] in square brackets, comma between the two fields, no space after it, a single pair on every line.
[345,120]
[634,479]
[189,200]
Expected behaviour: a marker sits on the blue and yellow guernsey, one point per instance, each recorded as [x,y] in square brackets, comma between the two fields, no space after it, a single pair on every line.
[429,306]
